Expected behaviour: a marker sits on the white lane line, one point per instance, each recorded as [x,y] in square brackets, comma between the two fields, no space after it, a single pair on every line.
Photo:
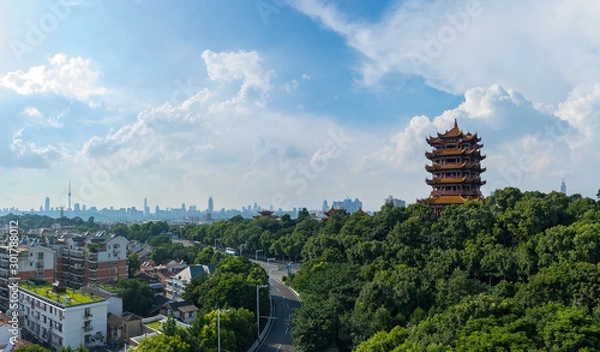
[278,347]
[286,330]
[288,306]
[278,290]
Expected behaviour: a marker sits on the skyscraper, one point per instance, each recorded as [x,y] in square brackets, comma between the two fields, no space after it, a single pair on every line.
[47,205]
[210,205]
[146,207]
[69,207]
[563,187]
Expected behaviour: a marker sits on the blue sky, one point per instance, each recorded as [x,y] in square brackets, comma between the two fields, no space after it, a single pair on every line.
[289,103]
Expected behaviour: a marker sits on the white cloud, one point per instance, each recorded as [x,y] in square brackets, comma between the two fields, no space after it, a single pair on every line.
[26,154]
[241,66]
[458,45]
[72,78]
[39,119]
[33,112]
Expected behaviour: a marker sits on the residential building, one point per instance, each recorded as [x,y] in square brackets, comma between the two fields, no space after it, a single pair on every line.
[175,286]
[395,201]
[184,311]
[62,317]
[33,261]
[122,328]
[91,259]
[351,206]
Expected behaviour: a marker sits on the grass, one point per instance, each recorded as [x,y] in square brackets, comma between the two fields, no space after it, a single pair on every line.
[155,325]
[45,291]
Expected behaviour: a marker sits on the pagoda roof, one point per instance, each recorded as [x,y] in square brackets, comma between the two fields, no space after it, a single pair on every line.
[454,152]
[447,180]
[463,165]
[445,200]
[265,213]
[453,133]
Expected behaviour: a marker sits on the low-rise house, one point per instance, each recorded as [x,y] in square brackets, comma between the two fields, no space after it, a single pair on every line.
[184,311]
[175,286]
[122,328]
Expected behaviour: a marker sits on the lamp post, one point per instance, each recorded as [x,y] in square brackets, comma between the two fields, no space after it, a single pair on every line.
[256,254]
[258,287]
[268,261]
[219,328]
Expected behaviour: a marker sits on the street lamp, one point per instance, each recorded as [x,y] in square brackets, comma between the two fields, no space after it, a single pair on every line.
[258,287]
[268,260]
[256,254]
[219,328]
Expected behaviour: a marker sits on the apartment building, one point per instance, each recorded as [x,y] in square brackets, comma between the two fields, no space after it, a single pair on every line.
[90,259]
[32,261]
[61,316]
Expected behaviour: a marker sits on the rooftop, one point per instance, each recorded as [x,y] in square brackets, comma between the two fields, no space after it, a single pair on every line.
[66,299]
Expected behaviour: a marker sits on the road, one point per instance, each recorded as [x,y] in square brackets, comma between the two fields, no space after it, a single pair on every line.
[285,300]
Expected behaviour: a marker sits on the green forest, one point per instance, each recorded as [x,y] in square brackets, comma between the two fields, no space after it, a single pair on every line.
[517,272]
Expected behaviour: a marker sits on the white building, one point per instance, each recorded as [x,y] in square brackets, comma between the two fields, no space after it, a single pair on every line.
[175,286]
[67,318]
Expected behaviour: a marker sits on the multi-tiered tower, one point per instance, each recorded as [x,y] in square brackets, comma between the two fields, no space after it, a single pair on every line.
[455,168]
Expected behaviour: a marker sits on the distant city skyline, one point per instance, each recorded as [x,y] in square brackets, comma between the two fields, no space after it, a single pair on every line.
[310,100]
[190,213]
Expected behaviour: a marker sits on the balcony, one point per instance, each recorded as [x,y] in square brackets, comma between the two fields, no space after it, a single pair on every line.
[93,257]
[87,327]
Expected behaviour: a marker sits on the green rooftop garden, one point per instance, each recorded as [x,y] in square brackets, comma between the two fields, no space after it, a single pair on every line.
[155,325]
[45,290]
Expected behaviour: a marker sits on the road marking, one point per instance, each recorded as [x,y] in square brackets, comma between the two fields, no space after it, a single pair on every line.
[278,347]
[286,331]
[278,290]
[288,306]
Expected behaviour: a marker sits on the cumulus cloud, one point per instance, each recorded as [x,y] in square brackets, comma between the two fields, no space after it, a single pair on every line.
[27,154]
[458,45]
[72,78]
[243,66]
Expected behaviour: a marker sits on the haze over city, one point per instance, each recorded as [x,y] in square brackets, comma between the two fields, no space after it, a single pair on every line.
[289,103]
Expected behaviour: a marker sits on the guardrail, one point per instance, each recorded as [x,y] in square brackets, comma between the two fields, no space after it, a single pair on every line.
[256,345]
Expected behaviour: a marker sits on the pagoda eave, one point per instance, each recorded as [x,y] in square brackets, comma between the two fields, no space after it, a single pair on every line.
[446,181]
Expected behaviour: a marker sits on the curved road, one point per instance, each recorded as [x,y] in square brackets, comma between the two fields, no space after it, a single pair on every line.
[279,339]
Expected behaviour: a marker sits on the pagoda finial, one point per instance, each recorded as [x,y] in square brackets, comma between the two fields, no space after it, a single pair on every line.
[455,124]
